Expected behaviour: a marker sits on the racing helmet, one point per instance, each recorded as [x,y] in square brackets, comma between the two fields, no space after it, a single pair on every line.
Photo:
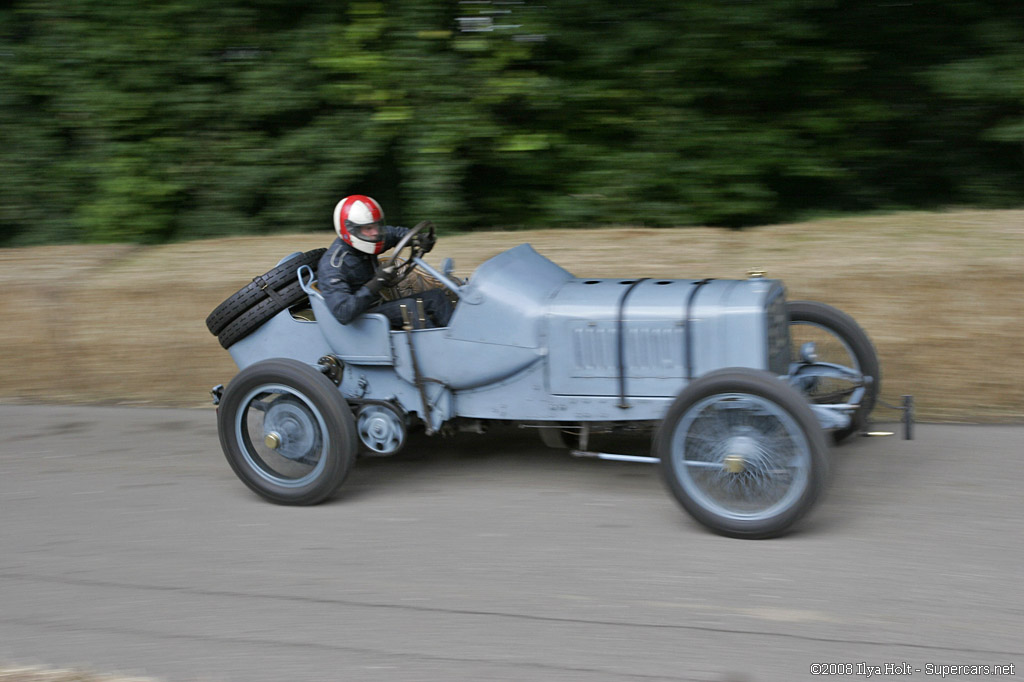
[353,216]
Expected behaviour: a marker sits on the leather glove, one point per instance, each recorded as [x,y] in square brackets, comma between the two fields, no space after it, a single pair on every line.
[425,240]
[383,278]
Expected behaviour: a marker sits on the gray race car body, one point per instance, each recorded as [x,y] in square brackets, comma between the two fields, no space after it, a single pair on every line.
[529,341]
[710,367]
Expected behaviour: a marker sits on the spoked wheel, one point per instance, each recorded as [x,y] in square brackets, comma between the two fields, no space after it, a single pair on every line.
[838,340]
[287,432]
[743,453]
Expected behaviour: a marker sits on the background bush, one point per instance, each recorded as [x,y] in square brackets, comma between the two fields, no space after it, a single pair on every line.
[149,122]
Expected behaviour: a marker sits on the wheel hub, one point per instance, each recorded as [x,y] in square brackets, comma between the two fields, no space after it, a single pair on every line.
[381,429]
[290,430]
[739,451]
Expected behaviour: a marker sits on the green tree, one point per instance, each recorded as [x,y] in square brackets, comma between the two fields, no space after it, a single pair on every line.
[182,119]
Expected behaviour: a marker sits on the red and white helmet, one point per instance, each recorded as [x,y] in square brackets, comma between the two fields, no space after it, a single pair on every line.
[352,216]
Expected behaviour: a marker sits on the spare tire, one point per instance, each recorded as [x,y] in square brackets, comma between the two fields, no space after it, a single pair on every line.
[253,318]
[255,292]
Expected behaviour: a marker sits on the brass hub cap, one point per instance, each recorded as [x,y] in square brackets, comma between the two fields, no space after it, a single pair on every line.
[734,464]
[742,451]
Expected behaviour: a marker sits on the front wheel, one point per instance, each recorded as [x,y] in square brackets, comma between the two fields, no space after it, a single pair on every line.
[287,432]
[839,340]
[743,453]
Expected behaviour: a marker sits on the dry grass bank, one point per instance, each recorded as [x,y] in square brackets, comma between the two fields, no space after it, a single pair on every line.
[939,293]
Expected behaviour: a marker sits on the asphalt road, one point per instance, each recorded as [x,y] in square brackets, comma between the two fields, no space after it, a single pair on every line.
[127,545]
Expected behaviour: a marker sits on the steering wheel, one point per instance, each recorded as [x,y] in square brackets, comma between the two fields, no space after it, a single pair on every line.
[407,265]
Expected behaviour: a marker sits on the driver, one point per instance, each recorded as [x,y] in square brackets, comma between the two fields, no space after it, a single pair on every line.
[351,279]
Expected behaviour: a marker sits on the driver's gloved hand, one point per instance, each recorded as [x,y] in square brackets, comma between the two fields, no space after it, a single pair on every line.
[382,279]
[425,240]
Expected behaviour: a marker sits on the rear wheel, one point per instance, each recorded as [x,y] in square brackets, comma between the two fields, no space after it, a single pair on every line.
[287,432]
[743,453]
[839,340]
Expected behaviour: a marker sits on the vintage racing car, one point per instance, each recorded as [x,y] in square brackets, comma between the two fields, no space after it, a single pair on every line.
[740,390]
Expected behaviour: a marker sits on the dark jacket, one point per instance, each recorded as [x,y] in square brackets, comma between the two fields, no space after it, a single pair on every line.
[343,271]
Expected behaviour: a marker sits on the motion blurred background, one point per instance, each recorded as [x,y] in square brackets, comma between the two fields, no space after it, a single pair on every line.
[152,122]
[156,156]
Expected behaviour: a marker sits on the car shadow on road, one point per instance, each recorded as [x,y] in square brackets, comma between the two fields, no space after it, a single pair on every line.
[514,454]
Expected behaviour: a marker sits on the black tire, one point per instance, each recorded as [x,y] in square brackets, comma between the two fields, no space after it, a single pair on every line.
[312,422]
[253,318]
[758,433]
[858,348]
[252,293]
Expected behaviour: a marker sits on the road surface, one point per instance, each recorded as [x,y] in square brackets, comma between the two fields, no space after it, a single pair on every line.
[127,545]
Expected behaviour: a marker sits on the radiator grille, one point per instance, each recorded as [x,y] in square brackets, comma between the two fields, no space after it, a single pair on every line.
[649,351]
[778,334]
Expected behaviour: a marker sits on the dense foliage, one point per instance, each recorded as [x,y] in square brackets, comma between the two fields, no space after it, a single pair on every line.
[128,121]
